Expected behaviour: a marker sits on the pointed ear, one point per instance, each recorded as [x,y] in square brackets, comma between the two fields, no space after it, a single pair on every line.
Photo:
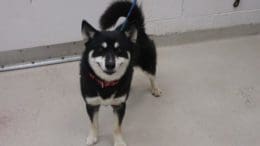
[131,33]
[87,30]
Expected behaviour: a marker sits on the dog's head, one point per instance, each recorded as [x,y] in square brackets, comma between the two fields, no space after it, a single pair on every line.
[109,52]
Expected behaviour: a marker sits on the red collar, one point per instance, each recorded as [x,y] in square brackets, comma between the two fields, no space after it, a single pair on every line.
[103,84]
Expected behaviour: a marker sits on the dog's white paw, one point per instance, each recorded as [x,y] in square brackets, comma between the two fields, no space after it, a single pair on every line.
[120,143]
[156,92]
[92,140]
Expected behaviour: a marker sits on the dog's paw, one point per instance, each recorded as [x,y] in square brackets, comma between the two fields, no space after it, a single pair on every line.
[120,143]
[91,140]
[156,92]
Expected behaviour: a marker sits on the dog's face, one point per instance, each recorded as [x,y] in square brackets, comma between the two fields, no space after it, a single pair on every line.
[109,52]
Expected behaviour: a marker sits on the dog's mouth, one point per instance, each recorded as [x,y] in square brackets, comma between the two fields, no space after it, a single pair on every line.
[109,72]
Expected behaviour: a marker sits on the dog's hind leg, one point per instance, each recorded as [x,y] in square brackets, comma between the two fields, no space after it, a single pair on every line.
[93,116]
[147,62]
[156,91]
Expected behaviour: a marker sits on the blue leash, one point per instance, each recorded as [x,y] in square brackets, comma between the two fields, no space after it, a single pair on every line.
[134,2]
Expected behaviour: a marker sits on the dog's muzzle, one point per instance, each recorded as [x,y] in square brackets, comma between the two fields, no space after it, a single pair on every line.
[110,64]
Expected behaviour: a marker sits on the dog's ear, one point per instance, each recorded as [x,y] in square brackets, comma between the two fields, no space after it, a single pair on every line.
[87,30]
[131,33]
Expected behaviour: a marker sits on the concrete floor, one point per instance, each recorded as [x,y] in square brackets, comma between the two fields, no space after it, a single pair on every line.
[211,98]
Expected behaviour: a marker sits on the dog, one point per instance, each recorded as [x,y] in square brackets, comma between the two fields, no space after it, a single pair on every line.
[108,63]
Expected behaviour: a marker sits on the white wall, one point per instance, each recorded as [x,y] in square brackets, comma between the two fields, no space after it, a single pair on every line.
[188,15]
[29,23]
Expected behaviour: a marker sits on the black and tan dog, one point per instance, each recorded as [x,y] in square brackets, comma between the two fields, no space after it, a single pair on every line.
[108,63]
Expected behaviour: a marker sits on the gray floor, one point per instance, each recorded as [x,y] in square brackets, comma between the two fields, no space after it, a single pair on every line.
[211,98]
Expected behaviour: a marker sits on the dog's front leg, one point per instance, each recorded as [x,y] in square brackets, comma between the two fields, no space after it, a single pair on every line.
[119,113]
[93,116]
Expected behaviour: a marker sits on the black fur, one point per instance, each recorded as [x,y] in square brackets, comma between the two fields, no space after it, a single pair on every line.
[143,54]
[120,9]
[89,87]
[120,111]
[145,47]
[91,110]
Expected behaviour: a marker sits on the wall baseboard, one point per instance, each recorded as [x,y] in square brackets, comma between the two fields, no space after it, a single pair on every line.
[67,52]
[207,34]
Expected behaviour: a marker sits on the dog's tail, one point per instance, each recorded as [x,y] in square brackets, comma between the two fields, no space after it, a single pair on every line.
[120,9]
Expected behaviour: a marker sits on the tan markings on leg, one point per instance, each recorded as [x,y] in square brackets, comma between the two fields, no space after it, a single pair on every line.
[93,134]
[118,137]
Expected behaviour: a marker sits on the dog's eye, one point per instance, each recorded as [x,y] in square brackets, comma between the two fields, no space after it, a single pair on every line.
[100,49]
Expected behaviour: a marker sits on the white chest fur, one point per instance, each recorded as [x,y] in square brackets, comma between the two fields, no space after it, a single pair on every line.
[109,101]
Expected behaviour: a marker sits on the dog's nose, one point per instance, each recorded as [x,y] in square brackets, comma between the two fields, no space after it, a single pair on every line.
[110,65]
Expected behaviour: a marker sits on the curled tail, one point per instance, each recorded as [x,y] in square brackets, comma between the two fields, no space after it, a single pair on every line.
[120,9]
